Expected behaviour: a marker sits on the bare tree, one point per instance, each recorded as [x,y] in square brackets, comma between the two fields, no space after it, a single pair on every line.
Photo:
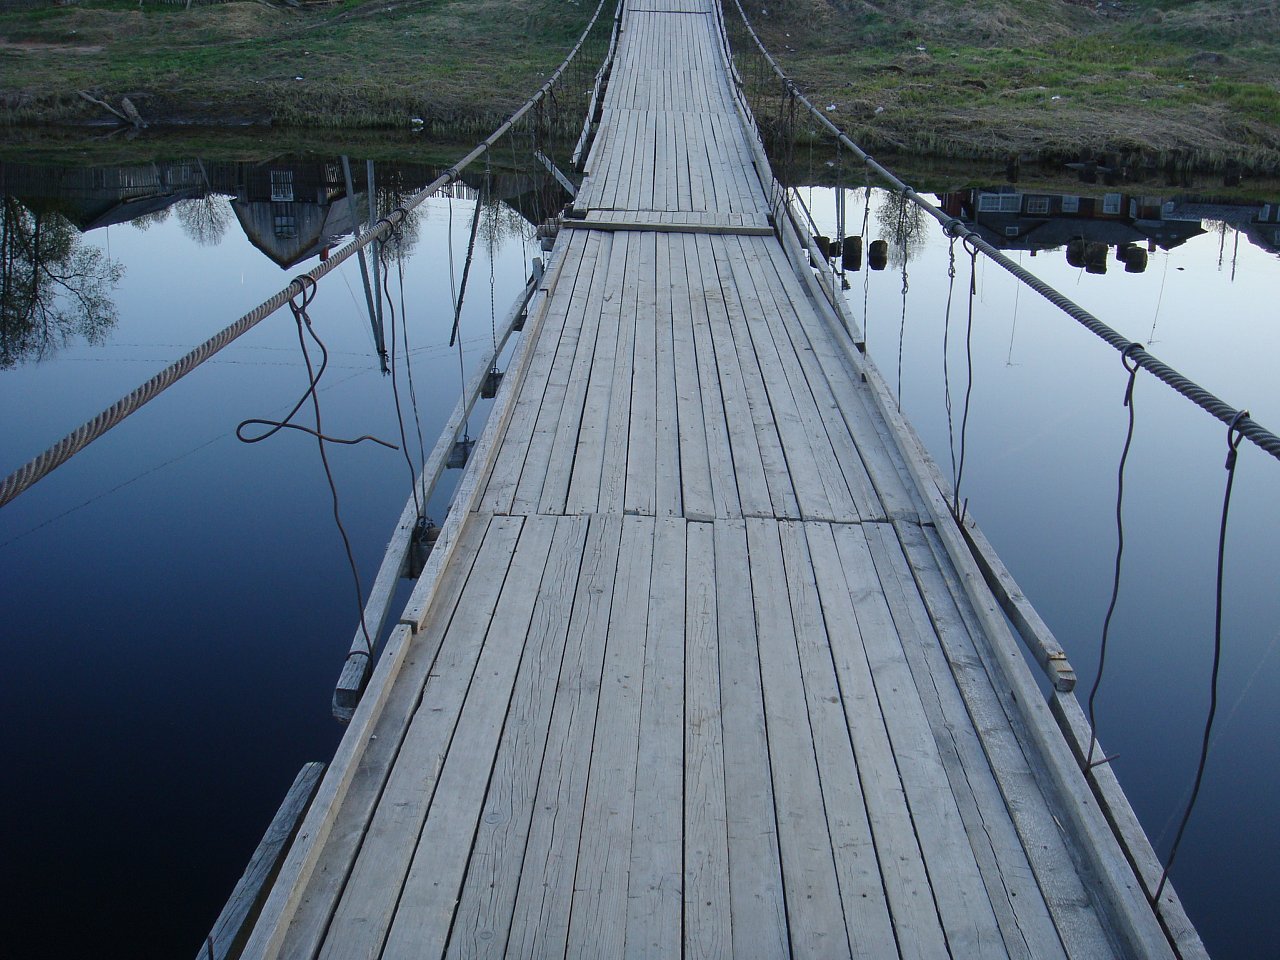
[53,287]
[904,226]
[205,219]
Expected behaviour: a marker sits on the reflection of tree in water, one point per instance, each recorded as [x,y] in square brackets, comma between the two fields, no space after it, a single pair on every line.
[205,219]
[903,225]
[53,287]
[499,223]
[149,220]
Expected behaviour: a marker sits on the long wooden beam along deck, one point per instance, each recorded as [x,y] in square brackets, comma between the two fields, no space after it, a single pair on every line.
[692,670]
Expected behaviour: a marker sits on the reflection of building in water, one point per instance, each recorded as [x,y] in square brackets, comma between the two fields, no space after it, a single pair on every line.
[1086,226]
[290,208]
[93,197]
[293,211]
[1260,223]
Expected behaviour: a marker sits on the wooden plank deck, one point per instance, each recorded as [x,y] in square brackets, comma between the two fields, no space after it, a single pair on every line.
[693,674]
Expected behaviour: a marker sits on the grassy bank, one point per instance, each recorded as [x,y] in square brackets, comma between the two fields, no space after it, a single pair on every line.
[456,65]
[1194,80]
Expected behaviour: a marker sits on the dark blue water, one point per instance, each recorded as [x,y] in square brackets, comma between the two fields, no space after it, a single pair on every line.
[177,604]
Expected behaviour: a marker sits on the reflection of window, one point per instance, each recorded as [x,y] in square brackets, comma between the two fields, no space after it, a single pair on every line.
[286,227]
[999,202]
[1111,203]
[1070,204]
[1038,205]
[282,186]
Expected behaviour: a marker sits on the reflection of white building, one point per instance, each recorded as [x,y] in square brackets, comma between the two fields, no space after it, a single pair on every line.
[1015,220]
[1260,223]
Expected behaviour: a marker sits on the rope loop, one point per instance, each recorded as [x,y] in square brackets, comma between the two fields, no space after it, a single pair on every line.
[1235,433]
[954,228]
[1133,370]
[307,293]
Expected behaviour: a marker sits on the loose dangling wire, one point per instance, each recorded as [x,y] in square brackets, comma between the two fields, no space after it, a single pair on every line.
[1234,435]
[946,354]
[866,272]
[902,326]
[957,506]
[840,224]
[493,312]
[385,292]
[303,320]
[1132,368]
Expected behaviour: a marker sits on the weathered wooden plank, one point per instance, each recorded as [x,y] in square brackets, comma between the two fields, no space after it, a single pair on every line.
[640,221]
[642,446]
[577,341]
[779,478]
[1079,923]
[232,926]
[1025,851]
[485,903]
[598,916]
[707,918]
[694,477]
[587,463]
[756,896]
[364,912]
[967,915]
[613,468]
[815,914]
[906,879]
[655,881]
[504,477]
[879,456]
[540,918]
[858,870]
[821,491]
[429,894]
[668,500]
[748,464]
[834,446]
[723,485]
[350,821]
[559,466]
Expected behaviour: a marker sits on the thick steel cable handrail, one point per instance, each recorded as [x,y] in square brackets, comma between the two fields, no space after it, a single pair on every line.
[956,228]
[62,451]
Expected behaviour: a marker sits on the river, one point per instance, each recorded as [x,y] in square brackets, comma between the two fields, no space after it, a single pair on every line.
[178,603]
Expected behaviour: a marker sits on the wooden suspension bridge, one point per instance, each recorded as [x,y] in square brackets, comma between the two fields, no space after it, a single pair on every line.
[701,663]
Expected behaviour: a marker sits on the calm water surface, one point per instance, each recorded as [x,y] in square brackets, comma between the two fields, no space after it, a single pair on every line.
[178,604]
